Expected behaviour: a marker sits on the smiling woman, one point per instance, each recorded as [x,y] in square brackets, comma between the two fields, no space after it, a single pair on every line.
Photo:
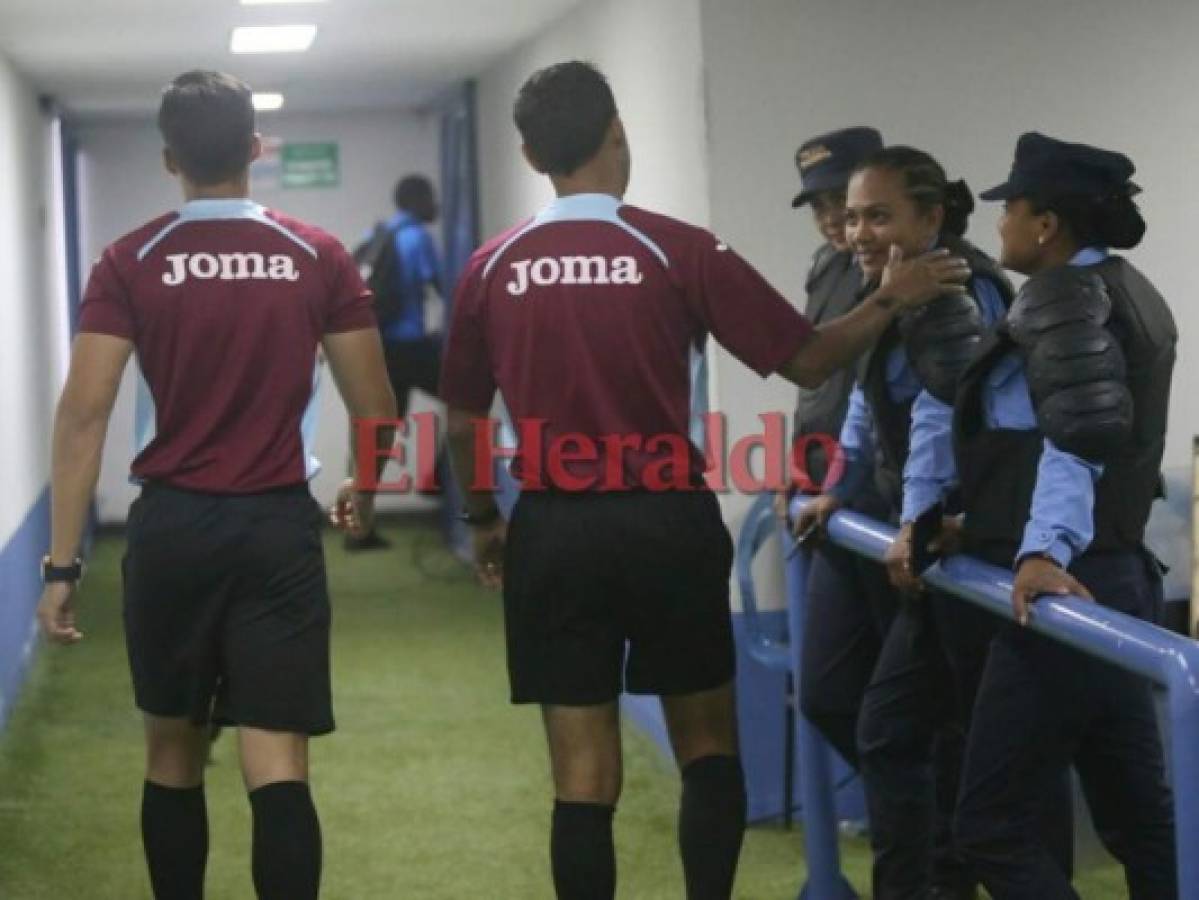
[900,204]
[900,197]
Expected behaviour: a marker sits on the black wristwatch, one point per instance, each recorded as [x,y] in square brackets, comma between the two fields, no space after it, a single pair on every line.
[52,573]
[471,519]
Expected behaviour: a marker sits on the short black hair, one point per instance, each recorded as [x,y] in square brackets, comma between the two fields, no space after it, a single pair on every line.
[413,192]
[207,121]
[563,113]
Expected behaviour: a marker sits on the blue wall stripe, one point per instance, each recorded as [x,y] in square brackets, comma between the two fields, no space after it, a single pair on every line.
[20,560]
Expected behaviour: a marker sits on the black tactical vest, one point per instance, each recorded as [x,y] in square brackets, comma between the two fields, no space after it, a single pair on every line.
[998,467]
[832,288]
[892,420]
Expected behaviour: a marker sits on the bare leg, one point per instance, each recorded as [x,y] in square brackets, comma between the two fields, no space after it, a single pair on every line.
[703,732]
[287,832]
[585,759]
[174,815]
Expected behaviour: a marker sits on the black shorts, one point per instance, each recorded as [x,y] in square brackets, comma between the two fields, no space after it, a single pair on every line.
[227,608]
[413,364]
[618,590]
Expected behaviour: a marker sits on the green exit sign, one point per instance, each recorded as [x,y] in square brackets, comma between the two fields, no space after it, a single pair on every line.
[309,165]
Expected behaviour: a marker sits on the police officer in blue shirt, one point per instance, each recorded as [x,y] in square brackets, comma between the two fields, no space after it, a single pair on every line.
[901,202]
[1059,429]
[921,697]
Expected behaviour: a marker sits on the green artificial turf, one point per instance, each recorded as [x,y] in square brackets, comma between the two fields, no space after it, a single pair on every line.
[432,787]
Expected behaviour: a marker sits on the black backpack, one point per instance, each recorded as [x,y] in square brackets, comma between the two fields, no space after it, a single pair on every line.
[379,264]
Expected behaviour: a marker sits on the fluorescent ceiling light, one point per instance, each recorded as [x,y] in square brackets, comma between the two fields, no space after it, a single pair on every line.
[272,38]
[275,2]
[267,102]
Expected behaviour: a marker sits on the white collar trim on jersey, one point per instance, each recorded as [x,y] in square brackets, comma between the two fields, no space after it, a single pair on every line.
[575,207]
[211,209]
[220,208]
[581,208]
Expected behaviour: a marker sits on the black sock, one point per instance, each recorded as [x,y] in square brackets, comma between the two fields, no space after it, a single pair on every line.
[175,835]
[581,851]
[287,842]
[711,825]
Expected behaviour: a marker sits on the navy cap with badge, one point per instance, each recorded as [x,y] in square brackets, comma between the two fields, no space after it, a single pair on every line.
[1047,167]
[825,162]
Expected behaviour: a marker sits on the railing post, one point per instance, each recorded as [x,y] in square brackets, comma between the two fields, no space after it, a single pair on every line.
[1184,759]
[825,881]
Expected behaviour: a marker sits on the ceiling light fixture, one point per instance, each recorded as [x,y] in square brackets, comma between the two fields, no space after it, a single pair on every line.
[276,2]
[272,38]
[267,102]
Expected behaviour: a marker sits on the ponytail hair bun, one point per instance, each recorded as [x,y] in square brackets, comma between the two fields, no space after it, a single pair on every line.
[1107,220]
[1117,220]
[959,204]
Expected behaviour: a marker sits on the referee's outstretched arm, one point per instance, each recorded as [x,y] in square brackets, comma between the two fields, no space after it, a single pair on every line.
[905,284]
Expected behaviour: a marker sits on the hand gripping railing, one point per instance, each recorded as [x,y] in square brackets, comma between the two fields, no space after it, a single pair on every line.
[1171,661]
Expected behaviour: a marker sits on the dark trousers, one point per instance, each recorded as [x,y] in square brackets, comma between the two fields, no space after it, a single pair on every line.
[413,365]
[849,609]
[911,735]
[1043,705]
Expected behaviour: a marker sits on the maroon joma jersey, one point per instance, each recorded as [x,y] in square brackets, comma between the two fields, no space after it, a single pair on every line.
[225,303]
[584,318]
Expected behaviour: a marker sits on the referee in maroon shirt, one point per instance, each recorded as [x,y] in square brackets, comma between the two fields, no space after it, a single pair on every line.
[226,608]
[583,318]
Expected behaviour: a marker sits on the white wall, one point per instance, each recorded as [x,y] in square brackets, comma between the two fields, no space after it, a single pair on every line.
[31,339]
[33,350]
[124,185]
[651,55]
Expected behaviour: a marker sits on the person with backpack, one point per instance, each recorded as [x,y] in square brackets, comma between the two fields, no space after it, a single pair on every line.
[400,262]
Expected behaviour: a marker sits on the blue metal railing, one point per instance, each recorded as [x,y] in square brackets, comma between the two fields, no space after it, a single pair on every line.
[1169,660]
